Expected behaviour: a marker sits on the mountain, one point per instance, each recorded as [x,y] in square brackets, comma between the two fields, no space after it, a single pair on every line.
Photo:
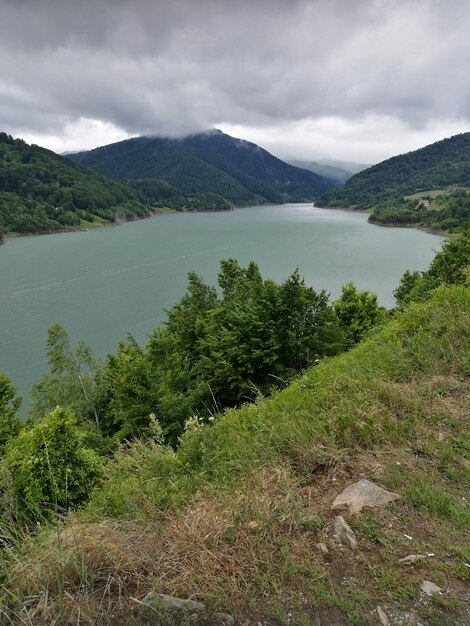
[427,187]
[440,164]
[336,175]
[41,191]
[238,170]
[349,166]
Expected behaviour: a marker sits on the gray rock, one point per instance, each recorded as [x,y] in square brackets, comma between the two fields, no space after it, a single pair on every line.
[344,533]
[429,588]
[170,603]
[322,547]
[411,559]
[383,619]
[363,493]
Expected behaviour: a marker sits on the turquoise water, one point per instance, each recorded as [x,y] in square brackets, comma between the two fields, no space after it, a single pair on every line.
[108,282]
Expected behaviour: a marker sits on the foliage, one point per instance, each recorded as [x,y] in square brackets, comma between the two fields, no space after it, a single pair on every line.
[72,381]
[51,470]
[41,191]
[358,312]
[346,403]
[10,425]
[217,349]
[384,187]
[451,266]
[440,164]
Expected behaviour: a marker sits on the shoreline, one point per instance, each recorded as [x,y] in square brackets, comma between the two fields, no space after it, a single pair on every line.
[91,225]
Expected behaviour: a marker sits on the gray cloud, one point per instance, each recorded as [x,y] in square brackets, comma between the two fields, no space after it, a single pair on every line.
[153,66]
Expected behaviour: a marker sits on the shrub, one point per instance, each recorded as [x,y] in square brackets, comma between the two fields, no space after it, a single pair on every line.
[50,467]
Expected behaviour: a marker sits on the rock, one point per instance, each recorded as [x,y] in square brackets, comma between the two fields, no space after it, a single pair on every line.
[363,493]
[344,533]
[322,547]
[429,588]
[383,619]
[170,603]
[411,559]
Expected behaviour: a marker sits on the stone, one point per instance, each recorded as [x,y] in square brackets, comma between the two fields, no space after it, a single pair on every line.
[411,559]
[429,588]
[171,603]
[344,533]
[383,619]
[363,493]
[322,547]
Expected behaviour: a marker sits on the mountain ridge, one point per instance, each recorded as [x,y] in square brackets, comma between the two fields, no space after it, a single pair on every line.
[240,171]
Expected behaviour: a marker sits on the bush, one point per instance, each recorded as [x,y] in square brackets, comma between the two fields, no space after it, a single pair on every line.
[50,467]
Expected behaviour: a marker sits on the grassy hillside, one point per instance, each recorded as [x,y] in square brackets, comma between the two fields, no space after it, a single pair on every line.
[241,172]
[385,187]
[234,517]
[43,192]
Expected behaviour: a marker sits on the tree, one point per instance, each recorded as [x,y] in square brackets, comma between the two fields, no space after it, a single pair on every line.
[10,425]
[73,379]
[50,467]
[357,311]
[451,266]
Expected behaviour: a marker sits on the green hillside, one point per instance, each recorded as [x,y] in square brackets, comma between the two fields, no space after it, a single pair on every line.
[43,192]
[240,171]
[255,168]
[385,187]
[239,514]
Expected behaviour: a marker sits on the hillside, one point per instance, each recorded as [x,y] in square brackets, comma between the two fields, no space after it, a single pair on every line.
[386,187]
[43,192]
[248,519]
[241,172]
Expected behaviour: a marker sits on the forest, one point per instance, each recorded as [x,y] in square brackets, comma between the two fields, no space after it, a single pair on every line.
[385,188]
[42,192]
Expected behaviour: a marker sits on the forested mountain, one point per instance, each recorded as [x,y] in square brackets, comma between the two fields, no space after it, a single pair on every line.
[258,170]
[440,164]
[240,171]
[41,191]
[400,189]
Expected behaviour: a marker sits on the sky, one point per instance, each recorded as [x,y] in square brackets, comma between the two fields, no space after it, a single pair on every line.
[358,80]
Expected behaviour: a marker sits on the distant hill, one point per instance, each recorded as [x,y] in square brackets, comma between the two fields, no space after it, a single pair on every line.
[336,175]
[398,188]
[214,162]
[41,191]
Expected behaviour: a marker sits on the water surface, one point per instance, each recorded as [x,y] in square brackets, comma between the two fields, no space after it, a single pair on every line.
[108,282]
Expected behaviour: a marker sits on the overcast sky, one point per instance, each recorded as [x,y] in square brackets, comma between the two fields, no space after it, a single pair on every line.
[348,79]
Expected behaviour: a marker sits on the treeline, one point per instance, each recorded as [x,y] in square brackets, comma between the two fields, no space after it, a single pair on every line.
[220,347]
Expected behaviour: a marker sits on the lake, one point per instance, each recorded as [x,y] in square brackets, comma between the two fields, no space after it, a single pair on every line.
[108,282]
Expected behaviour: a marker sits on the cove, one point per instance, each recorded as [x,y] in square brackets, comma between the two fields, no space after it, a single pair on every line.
[107,282]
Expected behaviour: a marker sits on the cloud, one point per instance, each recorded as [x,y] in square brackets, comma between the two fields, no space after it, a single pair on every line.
[362,77]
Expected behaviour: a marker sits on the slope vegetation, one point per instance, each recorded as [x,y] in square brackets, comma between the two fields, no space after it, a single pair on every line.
[386,187]
[43,192]
[235,517]
[241,172]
